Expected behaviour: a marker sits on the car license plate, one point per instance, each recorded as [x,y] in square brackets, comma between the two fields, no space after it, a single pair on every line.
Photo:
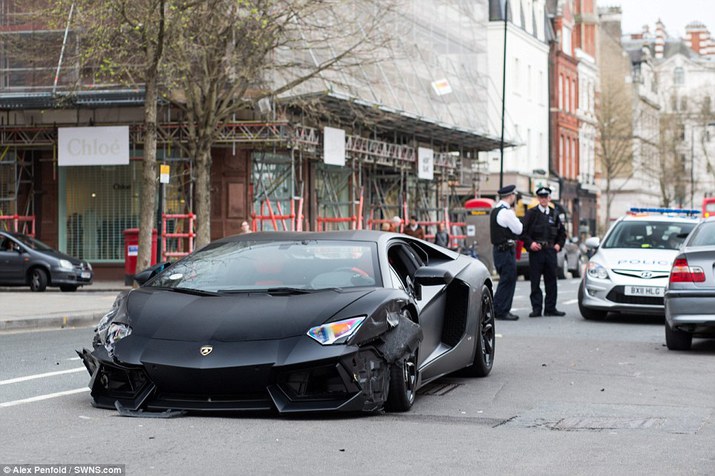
[85,275]
[647,291]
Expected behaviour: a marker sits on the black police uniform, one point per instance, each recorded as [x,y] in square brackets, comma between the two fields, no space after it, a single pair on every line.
[547,230]
[504,253]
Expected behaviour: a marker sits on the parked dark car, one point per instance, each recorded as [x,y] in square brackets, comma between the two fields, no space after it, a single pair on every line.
[294,322]
[25,261]
[690,294]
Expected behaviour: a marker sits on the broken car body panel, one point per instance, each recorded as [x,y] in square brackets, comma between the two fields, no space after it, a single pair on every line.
[324,333]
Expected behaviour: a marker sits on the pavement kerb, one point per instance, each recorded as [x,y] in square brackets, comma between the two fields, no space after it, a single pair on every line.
[73,320]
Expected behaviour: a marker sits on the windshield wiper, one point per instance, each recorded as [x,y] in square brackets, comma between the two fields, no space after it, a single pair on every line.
[286,291]
[195,292]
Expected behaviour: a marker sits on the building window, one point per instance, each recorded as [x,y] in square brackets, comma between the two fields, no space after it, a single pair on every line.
[679,76]
[573,95]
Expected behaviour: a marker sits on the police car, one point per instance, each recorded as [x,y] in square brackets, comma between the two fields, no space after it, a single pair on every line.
[630,269]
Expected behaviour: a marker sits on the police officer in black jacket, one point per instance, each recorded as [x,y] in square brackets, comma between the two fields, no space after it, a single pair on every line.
[504,227]
[544,236]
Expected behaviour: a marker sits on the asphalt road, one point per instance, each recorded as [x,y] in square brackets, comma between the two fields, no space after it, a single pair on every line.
[566,396]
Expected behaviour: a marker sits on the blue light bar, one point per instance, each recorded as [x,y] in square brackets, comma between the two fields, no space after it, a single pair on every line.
[675,211]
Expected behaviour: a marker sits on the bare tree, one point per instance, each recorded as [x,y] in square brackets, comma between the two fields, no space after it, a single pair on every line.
[672,178]
[232,53]
[214,60]
[615,129]
[123,42]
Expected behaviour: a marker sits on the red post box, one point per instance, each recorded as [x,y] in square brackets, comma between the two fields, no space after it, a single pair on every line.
[131,251]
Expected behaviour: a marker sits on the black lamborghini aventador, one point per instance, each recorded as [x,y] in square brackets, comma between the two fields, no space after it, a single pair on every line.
[294,322]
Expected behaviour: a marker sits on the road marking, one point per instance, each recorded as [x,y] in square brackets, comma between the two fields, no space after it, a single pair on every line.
[48,374]
[43,397]
[571,301]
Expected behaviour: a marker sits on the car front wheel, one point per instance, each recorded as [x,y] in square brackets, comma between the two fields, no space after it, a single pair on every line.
[38,280]
[486,338]
[403,384]
[677,340]
[589,314]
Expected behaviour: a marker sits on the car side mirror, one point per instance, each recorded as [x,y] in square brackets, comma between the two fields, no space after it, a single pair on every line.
[593,242]
[145,275]
[430,276]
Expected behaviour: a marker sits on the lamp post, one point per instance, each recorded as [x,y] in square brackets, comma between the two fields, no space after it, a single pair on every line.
[692,164]
[503,98]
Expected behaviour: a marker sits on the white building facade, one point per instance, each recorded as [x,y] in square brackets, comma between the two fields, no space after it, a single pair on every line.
[526,117]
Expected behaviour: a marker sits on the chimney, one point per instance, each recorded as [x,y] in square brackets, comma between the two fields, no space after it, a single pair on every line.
[610,21]
[697,37]
[659,39]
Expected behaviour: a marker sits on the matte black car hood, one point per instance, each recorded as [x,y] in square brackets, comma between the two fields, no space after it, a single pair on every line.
[161,314]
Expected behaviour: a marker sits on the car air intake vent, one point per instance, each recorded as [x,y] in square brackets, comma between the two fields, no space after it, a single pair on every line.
[643,274]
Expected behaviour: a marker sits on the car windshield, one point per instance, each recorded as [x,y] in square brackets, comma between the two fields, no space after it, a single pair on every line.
[704,235]
[32,243]
[648,234]
[281,267]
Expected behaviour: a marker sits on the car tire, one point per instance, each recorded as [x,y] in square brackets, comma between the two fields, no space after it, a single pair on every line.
[563,269]
[677,340]
[485,338]
[403,384]
[576,272]
[589,314]
[68,288]
[38,280]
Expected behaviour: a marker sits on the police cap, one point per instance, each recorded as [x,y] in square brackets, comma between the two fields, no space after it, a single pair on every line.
[507,190]
[543,191]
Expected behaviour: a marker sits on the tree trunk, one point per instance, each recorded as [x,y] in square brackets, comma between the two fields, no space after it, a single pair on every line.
[202,195]
[149,182]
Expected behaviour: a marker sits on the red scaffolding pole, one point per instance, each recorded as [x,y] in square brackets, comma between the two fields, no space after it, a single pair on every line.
[189,235]
[19,223]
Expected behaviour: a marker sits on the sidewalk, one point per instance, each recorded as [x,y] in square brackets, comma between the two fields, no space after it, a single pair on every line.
[22,309]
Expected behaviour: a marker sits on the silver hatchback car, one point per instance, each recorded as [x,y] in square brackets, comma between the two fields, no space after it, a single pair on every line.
[690,294]
[629,271]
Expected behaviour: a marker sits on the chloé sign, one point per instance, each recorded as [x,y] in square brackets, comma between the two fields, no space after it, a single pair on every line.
[93,145]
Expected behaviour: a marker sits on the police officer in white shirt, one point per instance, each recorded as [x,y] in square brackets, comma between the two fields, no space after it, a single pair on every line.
[504,228]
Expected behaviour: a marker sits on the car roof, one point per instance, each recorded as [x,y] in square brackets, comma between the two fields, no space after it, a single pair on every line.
[666,218]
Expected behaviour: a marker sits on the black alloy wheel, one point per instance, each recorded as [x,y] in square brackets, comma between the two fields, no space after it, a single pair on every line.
[403,384]
[486,337]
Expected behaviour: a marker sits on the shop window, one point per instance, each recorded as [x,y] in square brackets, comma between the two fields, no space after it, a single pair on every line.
[100,203]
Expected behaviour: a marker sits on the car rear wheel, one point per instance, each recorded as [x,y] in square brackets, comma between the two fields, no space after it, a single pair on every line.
[38,280]
[563,269]
[589,314]
[68,288]
[677,340]
[576,272]
[486,338]
[403,384]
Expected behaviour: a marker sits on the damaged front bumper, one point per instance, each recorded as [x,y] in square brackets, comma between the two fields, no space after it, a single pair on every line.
[340,378]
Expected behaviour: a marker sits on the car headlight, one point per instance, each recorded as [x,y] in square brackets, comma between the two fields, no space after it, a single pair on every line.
[595,270]
[64,264]
[89,265]
[336,332]
[116,332]
[106,327]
